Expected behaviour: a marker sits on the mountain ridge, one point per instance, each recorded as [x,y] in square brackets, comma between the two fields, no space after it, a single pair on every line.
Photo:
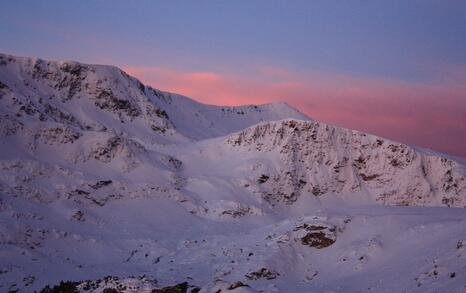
[98,82]
[101,175]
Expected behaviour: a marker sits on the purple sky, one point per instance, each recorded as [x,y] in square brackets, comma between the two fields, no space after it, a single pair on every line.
[394,68]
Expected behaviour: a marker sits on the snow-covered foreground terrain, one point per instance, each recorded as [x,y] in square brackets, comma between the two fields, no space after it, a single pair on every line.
[108,183]
[376,248]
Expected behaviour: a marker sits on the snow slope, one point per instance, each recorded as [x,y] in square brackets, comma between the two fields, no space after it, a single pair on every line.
[101,175]
[201,121]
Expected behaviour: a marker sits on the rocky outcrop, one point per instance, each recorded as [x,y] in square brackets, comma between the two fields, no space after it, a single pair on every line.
[319,159]
[69,93]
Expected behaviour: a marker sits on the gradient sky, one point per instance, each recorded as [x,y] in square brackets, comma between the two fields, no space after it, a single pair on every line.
[395,68]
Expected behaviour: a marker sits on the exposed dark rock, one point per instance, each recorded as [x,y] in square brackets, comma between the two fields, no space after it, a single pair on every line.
[63,287]
[158,129]
[236,285]
[73,81]
[359,163]
[60,116]
[81,192]
[317,236]
[175,163]
[310,227]
[108,151]
[301,183]
[240,212]
[110,290]
[41,71]
[316,191]
[179,288]
[75,69]
[10,125]
[460,244]
[264,178]
[395,163]
[317,239]
[100,184]
[57,135]
[161,113]
[3,86]
[263,273]
[141,87]
[78,216]
[448,201]
[368,177]
[106,100]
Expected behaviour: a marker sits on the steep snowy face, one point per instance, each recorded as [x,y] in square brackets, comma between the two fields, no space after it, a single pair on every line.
[322,160]
[77,97]
[200,121]
[104,98]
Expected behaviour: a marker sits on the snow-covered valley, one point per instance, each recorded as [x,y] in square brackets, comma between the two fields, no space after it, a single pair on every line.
[101,176]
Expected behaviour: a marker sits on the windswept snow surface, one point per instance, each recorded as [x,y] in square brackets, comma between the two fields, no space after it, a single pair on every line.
[101,176]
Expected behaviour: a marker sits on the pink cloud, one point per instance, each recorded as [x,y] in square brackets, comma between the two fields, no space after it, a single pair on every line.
[426,114]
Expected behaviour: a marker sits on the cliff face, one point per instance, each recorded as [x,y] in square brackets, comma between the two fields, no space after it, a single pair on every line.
[321,159]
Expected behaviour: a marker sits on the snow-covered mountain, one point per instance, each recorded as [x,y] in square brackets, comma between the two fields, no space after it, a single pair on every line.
[320,159]
[101,175]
